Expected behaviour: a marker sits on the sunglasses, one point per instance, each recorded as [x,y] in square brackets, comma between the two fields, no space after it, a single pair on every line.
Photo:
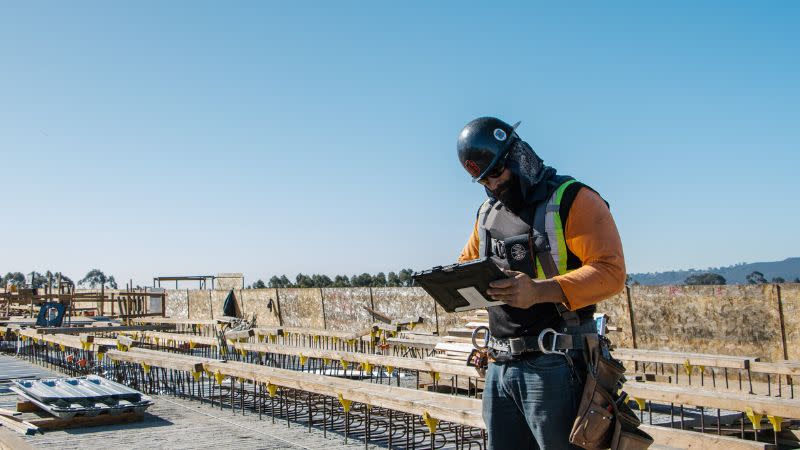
[496,171]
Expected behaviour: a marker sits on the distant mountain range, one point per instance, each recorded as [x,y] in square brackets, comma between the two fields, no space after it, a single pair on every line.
[788,269]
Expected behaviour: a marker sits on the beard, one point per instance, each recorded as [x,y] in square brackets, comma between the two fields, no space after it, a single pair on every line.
[510,195]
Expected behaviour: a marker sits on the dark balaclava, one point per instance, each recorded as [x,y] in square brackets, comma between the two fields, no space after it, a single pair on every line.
[532,181]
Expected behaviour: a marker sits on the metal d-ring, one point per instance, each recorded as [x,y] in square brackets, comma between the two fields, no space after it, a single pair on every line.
[552,350]
[485,337]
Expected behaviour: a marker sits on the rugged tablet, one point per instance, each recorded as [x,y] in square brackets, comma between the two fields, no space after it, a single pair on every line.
[461,287]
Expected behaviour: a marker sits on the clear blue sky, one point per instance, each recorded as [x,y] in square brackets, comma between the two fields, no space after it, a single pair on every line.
[160,138]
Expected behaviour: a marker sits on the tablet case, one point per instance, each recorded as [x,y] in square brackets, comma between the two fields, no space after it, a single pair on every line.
[461,287]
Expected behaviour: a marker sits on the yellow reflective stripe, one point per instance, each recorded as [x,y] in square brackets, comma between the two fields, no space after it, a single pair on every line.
[559,229]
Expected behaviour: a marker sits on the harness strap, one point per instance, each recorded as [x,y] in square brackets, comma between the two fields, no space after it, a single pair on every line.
[541,246]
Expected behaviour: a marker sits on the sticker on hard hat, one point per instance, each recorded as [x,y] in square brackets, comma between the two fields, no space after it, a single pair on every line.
[472,167]
[499,134]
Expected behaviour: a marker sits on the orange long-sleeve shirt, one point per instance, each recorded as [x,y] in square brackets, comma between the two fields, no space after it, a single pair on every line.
[592,236]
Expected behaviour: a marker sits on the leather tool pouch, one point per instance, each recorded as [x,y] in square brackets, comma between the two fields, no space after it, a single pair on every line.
[602,422]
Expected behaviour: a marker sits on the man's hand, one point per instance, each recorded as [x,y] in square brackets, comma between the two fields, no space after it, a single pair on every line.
[520,291]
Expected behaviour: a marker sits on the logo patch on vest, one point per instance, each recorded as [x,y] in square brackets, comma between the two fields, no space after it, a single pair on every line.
[499,134]
[518,252]
[472,167]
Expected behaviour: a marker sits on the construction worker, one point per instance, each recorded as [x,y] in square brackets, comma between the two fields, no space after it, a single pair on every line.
[556,240]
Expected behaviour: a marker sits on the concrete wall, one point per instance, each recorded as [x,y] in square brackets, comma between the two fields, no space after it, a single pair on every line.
[753,320]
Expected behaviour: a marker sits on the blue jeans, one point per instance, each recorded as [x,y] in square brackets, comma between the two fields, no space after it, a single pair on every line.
[531,403]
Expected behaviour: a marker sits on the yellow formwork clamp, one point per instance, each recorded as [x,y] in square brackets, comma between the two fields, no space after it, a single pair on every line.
[61,347]
[219,377]
[101,355]
[303,359]
[260,338]
[776,422]
[208,373]
[345,364]
[335,339]
[412,325]
[639,403]
[155,339]
[754,418]
[273,338]
[192,345]
[326,361]
[345,403]
[272,389]
[315,339]
[86,345]
[351,342]
[702,369]
[431,422]
[241,380]
[687,366]
[224,349]
[121,347]
[389,369]
[243,352]
[145,368]
[435,376]
[197,375]
[366,367]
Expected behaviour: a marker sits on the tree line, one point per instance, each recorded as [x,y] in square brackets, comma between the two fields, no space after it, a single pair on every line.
[93,279]
[380,279]
[754,277]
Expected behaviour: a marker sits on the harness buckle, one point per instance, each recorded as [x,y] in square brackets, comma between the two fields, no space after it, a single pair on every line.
[516,346]
[552,349]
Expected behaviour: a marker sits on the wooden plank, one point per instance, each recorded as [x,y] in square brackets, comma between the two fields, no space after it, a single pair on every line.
[10,441]
[101,329]
[695,359]
[693,440]
[732,401]
[18,425]
[174,321]
[360,358]
[164,360]
[780,367]
[177,337]
[449,408]
[55,423]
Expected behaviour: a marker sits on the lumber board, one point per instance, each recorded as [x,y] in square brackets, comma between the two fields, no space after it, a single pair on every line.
[693,440]
[10,441]
[410,343]
[99,329]
[177,337]
[732,401]
[441,406]
[780,367]
[174,321]
[354,357]
[695,359]
[18,425]
[55,423]
[158,359]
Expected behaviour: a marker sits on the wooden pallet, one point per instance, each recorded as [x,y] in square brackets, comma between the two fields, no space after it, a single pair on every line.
[40,420]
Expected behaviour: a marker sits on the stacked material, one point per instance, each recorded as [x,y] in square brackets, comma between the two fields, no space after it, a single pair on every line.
[85,396]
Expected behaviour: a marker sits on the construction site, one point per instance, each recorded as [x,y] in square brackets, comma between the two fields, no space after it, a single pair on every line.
[227,367]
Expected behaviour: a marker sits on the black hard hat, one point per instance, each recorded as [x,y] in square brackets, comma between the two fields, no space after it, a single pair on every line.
[484,142]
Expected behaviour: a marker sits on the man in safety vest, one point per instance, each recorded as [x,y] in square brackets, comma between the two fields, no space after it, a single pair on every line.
[558,243]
